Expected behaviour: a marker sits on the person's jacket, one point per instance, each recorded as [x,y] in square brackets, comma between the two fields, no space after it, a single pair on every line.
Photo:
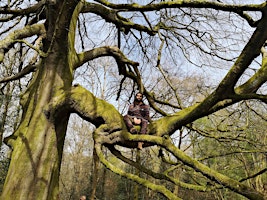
[139,111]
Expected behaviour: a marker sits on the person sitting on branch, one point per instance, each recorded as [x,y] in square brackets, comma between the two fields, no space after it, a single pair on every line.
[138,114]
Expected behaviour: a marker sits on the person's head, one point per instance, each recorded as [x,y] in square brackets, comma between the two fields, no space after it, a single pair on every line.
[83,197]
[138,97]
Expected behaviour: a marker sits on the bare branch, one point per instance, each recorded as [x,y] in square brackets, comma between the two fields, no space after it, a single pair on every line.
[26,70]
[12,38]
[105,51]
[28,10]
[185,3]
[113,16]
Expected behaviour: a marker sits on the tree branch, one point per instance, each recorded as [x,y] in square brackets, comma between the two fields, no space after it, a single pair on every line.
[185,3]
[203,169]
[105,51]
[113,16]
[254,175]
[249,53]
[12,38]
[26,70]
[157,175]
[26,11]
[158,188]
[94,110]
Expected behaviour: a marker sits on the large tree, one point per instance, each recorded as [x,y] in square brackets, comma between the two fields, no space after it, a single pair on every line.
[50,40]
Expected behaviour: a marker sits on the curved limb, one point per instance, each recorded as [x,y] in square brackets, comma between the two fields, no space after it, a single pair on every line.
[159,188]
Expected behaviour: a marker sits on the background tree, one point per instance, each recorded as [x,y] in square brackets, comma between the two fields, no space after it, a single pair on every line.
[77,159]
[57,39]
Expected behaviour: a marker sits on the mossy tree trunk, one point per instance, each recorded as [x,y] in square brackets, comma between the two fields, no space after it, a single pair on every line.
[38,142]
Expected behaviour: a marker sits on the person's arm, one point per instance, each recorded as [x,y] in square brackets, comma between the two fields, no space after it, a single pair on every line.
[130,110]
[146,113]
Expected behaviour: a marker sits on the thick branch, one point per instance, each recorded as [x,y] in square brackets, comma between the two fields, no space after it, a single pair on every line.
[113,16]
[94,110]
[249,53]
[158,188]
[28,69]
[185,3]
[105,51]
[157,175]
[256,81]
[26,11]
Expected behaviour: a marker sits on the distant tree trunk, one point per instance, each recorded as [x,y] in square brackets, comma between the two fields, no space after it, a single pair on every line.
[95,176]
[136,186]
[260,181]
[155,164]
[6,103]
[103,182]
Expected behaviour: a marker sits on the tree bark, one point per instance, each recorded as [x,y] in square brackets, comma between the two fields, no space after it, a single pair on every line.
[38,142]
[37,149]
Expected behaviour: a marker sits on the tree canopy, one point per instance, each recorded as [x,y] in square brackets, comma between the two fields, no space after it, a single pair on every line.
[201,66]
